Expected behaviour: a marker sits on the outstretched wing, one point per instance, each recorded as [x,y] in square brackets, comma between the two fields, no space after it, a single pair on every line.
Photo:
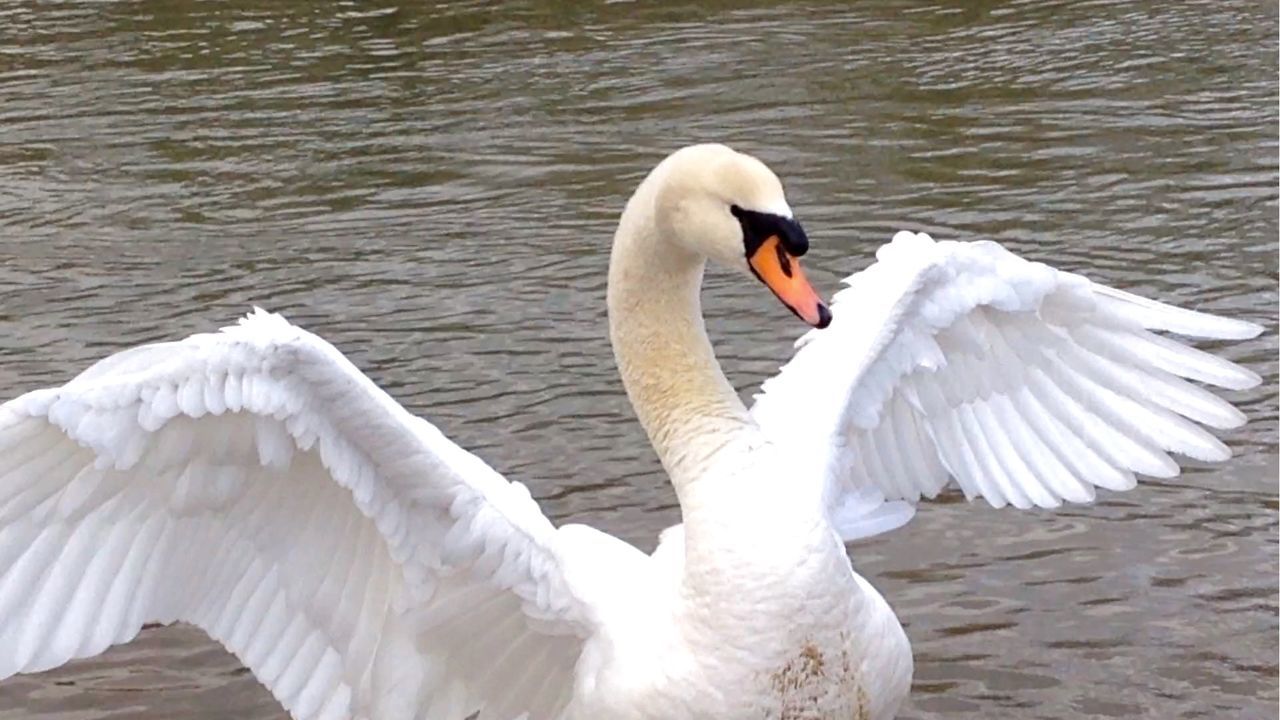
[254,483]
[1025,384]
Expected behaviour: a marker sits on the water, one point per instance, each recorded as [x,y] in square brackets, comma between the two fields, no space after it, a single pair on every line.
[434,188]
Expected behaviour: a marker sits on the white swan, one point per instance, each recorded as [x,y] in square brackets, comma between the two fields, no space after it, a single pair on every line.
[255,483]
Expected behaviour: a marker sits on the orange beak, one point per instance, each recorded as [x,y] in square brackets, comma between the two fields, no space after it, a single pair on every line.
[781,272]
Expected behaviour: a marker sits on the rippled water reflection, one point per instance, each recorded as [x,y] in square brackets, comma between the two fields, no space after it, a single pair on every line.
[433,187]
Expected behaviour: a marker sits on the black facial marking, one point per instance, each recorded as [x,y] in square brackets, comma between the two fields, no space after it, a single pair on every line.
[758,227]
[784,260]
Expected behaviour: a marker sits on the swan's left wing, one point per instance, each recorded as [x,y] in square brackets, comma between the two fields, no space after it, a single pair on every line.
[1024,384]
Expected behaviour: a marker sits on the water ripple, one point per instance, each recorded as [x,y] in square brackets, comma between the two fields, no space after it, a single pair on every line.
[433,186]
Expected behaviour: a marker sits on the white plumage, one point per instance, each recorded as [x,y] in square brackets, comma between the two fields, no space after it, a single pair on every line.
[254,483]
[1025,384]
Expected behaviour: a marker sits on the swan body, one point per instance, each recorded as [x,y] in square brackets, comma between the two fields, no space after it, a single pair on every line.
[254,483]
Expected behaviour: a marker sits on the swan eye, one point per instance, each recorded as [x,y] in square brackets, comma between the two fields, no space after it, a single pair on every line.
[757,227]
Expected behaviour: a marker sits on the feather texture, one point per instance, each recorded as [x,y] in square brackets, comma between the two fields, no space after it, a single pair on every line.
[1025,385]
[254,483]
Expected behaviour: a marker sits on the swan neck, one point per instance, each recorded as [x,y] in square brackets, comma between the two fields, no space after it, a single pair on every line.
[672,377]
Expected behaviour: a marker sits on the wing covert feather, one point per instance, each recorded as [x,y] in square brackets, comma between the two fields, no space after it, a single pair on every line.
[254,483]
[1025,385]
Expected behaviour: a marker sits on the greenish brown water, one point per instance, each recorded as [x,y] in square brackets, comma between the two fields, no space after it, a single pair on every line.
[433,188]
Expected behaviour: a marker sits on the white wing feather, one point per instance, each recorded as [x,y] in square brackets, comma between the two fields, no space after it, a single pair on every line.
[254,483]
[1025,384]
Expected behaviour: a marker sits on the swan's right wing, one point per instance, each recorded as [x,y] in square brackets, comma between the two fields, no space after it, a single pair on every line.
[254,483]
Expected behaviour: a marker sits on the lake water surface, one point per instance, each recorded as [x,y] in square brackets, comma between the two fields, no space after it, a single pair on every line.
[433,187]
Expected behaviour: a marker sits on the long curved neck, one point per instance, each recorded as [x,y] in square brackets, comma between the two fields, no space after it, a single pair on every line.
[675,384]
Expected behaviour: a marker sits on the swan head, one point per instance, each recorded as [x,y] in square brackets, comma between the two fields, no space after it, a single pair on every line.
[729,207]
